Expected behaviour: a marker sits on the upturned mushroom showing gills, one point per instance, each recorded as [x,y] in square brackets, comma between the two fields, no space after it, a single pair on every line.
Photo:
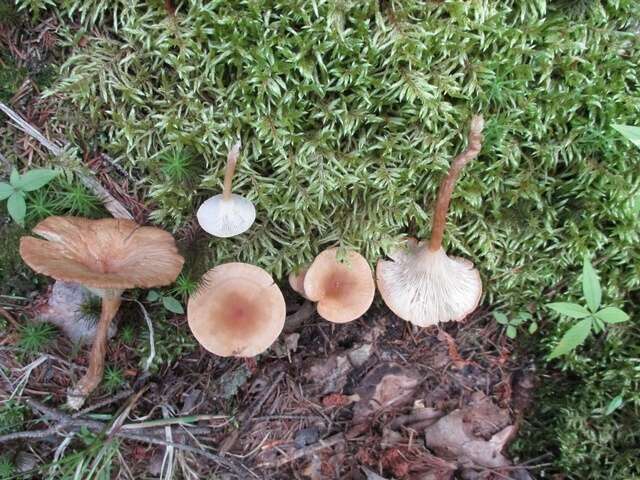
[227,214]
[421,284]
[238,311]
[107,256]
[344,291]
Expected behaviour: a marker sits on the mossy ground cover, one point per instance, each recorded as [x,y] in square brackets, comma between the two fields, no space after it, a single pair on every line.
[349,113]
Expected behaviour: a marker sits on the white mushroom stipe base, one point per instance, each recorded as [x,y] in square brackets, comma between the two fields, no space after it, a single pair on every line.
[227,214]
[421,284]
[427,287]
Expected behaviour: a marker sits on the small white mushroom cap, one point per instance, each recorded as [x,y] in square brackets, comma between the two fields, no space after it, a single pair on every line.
[226,217]
[426,287]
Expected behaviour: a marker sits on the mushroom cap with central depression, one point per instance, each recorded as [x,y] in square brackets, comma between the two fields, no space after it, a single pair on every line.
[344,290]
[102,254]
[238,311]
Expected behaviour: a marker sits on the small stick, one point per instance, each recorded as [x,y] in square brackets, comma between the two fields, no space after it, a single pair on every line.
[232,160]
[10,318]
[321,445]
[103,403]
[446,187]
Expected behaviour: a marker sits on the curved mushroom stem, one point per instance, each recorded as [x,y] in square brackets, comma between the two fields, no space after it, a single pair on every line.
[446,187]
[92,378]
[232,160]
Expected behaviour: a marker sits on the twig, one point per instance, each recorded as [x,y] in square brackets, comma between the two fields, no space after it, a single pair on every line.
[152,344]
[302,452]
[30,434]
[187,420]
[111,204]
[32,131]
[103,403]
[10,318]
[157,441]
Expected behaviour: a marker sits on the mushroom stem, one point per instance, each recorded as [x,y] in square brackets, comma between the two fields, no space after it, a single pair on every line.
[232,160]
[93,376]
[446,187]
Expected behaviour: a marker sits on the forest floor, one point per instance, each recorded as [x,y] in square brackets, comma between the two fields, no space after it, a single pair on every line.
[366,400]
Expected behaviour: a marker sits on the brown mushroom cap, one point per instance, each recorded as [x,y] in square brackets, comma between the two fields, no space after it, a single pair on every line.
[104,254]
[344,291]
[427,287]
[239,311]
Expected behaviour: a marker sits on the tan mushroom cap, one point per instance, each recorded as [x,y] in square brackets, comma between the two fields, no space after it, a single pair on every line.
[426,287]
[104,254]
[238,312]
[296,282]
[344,290]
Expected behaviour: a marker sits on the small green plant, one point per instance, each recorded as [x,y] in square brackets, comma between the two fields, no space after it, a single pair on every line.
[113,379]
[168,302]
[91,307]
[630,133]
[592,317]
[184,286]
[15,191]
[512,324]
[41,205]
[7,469]
[35,336]
[127,334]
[74,199]
[176,163]
[12,415]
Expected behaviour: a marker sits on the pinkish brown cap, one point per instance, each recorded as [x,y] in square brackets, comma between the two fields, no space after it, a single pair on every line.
[296,281]
[238,311]
[102,254]
[344,290]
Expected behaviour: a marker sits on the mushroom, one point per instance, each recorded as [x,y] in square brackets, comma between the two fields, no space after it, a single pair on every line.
[107,256]
[227,214]
[296,282]
[238,311]
[344,290]
[422,284]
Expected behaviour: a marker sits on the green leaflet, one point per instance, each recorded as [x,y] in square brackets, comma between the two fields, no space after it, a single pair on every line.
[574,337]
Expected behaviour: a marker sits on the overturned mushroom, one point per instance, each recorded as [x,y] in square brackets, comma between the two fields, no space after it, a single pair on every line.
[227,214]
[107,256]
[344,290]
[422,284]
[238,311]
